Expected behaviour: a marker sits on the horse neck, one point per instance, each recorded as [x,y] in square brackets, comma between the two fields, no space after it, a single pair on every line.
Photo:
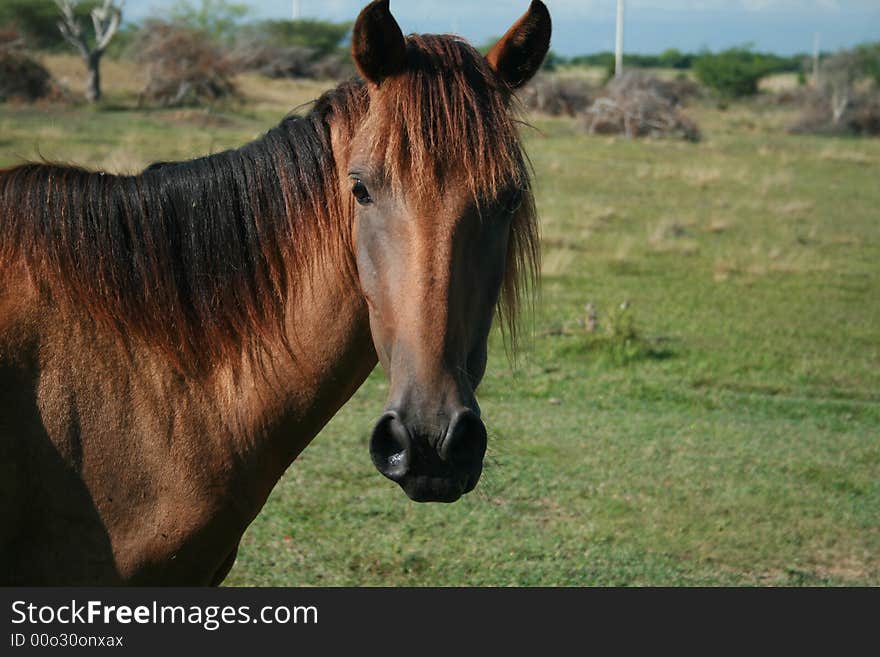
[287,399]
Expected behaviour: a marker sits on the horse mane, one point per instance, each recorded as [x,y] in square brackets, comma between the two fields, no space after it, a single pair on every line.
[200,257]
[196,257]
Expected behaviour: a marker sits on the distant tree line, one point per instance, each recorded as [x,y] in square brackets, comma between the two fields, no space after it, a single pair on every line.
[224,29]
[676,59]
[732,73]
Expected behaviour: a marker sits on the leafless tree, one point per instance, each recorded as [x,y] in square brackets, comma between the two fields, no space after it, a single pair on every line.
[105,19]
[839,74]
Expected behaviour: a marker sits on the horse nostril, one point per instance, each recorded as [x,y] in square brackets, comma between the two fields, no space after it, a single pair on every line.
[391,447]
[465,442]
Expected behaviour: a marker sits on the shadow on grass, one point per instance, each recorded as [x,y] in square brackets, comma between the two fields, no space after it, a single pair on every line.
[613,350]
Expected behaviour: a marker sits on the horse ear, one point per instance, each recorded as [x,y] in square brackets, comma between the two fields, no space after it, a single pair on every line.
[377,44]
[520,53]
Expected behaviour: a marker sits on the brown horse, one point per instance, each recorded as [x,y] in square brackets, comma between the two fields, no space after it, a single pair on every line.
[171,341]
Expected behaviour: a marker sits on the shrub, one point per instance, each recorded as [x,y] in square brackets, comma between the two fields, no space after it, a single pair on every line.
[294,49]
[673,58]
[842,104]
[274,61]
[613,339]
[638,105]
[184,66]
[21,77]
[335,66]
[677,90]
[860,117]
[556,95]
[320,37]
[868,55]
[736,72]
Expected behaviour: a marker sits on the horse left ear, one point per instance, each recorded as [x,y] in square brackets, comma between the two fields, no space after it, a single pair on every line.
[519,54]
[377,44]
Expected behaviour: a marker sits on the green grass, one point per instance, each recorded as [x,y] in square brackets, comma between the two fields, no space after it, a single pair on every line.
[729,435]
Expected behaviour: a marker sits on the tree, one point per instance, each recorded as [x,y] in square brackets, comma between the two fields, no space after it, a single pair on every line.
[736,72]
[321,37]
[839,74]
[218,19]
[868,55]
[105,21]
[674,58]
[37,20]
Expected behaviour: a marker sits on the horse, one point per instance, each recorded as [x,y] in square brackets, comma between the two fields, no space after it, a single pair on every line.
[170,341]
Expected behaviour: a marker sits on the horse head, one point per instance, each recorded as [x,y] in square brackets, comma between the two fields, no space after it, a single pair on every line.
[444,233]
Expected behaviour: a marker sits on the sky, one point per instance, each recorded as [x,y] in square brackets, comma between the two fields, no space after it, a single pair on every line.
[584,26]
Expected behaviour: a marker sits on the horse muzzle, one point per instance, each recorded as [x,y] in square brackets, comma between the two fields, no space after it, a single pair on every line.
[430,466]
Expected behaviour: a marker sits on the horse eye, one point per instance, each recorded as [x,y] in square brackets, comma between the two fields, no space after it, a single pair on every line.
[361,194]
[514,203]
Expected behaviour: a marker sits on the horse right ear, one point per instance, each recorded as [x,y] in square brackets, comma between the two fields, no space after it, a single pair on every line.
[377,44]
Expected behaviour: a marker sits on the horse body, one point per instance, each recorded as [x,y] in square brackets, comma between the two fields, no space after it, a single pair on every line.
[135,474]
[171,341]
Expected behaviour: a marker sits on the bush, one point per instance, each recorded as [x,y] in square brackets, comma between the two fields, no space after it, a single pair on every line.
[184,66]
[556,96]
[613,339]
[294,49]
[639,105]
[860,117]
[868,55]
[21,77]
[292,62]
[736,72]
[673,58]
[320,37]
[335,66]
[677,90]
[274,61]
[842,105]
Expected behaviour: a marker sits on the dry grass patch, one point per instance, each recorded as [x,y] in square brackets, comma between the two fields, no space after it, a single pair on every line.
[797,209]
[672,236]
[557,261]
[717,225]
[700,176]
[845,155]
[117,75]
[781,179]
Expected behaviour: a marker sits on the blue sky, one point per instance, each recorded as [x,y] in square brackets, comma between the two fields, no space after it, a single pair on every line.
[580,26]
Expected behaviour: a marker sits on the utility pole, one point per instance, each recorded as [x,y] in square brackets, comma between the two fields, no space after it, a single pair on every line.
[297,9]
[816,60]
[618,42]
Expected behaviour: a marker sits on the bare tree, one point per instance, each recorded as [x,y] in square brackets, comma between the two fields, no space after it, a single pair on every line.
[105,19]
[840,73]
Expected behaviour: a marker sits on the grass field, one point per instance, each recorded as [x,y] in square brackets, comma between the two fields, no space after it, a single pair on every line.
[724,429]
